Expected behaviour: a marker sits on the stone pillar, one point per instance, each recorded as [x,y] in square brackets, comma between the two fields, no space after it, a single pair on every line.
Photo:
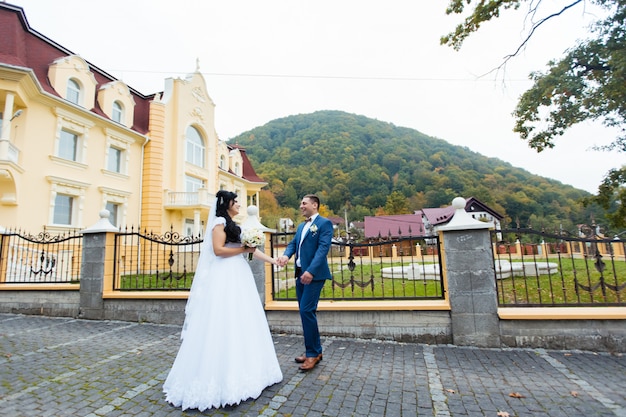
[97,239]
[470,274]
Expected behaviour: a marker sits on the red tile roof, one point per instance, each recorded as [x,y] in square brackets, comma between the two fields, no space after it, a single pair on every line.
[398,225]
[336,220]
[22,46]
[439,215]
[395,225]
[249,173]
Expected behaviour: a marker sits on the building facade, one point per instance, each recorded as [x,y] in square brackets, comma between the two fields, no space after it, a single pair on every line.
[75,140]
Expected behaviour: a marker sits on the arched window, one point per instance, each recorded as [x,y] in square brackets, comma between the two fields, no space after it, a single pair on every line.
[222,162]
[117,113]
[195,147]
[237,170]
[73,91]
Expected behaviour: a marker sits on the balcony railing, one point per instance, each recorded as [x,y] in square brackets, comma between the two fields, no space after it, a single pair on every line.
[14,153]
[188,199]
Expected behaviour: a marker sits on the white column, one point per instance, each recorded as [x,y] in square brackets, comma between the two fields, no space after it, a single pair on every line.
[5,135]
[6,117]
[196,223]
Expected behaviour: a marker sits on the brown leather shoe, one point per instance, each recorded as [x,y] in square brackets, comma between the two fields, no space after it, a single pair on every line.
[309,363]
[301,359]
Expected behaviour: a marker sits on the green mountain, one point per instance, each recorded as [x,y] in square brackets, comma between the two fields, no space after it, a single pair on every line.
[355,162]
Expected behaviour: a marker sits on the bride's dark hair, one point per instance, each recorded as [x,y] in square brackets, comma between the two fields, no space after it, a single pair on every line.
[224,199]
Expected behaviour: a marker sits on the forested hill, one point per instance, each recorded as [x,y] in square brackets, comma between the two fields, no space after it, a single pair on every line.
[357,162]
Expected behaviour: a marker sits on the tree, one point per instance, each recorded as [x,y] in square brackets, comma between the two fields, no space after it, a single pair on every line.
[588,83]
[269,209]
[396,203]
[352,170]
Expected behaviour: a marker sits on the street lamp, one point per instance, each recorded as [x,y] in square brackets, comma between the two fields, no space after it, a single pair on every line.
[16,114]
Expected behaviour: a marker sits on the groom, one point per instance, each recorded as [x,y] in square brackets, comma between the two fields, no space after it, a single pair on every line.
[310,247]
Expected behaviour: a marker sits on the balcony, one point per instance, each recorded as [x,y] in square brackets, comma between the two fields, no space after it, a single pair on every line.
[9,152]
[200,199]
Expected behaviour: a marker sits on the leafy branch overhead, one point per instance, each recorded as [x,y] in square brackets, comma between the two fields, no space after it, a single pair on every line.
[587,84]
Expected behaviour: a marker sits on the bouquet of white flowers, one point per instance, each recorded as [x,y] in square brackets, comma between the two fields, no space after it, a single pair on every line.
[252,238]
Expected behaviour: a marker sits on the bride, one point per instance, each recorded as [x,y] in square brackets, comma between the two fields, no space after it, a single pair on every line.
[227,354]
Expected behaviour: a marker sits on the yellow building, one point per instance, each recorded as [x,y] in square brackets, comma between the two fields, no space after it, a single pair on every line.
[75,140]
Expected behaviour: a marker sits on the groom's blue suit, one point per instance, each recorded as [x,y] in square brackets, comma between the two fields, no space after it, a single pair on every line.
[312,256]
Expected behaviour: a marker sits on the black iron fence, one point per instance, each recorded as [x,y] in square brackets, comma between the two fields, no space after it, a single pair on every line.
[386,269]
[532,268]
[40,259]
[150,262]
[540,269]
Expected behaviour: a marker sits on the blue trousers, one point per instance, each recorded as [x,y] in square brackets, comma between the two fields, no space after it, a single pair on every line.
[308,296]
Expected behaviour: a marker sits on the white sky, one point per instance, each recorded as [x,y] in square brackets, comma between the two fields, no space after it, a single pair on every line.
[264,60]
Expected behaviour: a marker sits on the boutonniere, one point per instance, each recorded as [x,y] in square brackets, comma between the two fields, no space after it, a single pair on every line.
[313,228]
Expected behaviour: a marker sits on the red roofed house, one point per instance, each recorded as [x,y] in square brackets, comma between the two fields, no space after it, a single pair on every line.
[425,222]
[434,217]
[398,225]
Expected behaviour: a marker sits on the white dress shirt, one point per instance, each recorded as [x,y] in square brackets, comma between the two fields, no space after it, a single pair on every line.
[305,230]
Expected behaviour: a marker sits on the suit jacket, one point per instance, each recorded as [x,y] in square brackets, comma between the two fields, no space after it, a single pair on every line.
[314,248]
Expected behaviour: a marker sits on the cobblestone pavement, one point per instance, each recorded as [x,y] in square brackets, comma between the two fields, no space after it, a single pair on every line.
[68,367]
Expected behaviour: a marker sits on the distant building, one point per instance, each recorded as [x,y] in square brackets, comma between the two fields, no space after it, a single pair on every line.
[435,217]
[75,140]
[285,224]
[398,225]
[425,222]
[338,222]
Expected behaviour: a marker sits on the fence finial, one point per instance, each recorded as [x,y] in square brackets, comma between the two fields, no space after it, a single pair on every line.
[253,222]
[462,220]
[103,225]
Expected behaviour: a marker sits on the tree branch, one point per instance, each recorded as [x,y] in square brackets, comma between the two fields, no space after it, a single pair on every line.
[535,27]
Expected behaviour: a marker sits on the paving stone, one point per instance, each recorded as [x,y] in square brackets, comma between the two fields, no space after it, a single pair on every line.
[69,367]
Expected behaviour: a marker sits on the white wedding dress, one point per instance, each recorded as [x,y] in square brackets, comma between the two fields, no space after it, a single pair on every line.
[227,353]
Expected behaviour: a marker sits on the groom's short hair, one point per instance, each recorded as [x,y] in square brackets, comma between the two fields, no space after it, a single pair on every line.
[313,198]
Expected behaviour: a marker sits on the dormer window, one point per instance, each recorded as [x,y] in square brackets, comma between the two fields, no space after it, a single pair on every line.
[117,113]
[236,162]
[117,102]
[73,91]
[72,79]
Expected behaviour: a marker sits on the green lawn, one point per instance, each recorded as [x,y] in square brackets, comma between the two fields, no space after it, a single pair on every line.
[152,282]
[561,287]
[366,283]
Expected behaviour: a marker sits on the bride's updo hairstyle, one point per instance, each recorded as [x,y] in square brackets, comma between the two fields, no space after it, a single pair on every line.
[224,199]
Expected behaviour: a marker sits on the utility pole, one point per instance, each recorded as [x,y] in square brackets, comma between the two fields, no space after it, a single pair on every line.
[345,216]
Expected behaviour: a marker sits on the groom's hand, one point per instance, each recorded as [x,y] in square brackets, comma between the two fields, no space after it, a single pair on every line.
[306,278]
[282,260]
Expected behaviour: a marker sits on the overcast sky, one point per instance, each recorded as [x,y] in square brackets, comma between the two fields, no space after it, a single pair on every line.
[264,60]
